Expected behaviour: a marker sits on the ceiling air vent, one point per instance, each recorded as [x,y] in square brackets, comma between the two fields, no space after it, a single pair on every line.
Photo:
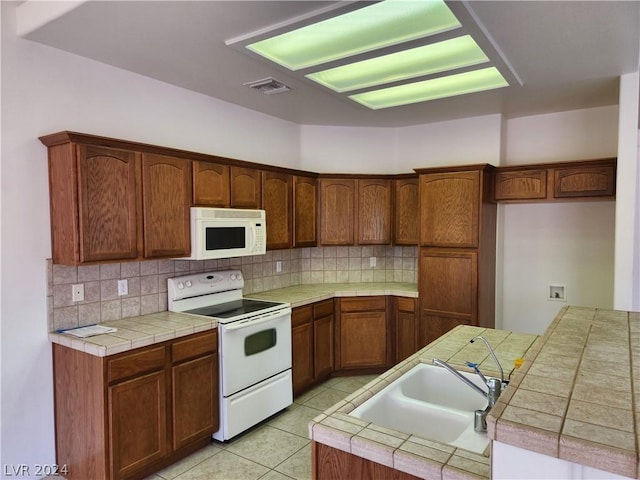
[268,86]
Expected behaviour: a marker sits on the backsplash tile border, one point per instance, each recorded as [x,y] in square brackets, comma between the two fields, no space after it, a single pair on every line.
[147,280]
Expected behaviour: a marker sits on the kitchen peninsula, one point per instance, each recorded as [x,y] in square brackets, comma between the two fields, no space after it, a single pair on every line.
[554,407]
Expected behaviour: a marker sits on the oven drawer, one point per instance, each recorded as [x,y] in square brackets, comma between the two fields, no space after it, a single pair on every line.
[195,346]
[131,364]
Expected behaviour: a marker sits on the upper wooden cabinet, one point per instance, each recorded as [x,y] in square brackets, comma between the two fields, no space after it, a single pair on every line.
[211,186]
[305,211]
[406,211]
[166,196]
[337,210]
[110,203]
[550,182]
[374,212]
[246,188]
[106,202]
[355,211]
[450,208]
[277,201]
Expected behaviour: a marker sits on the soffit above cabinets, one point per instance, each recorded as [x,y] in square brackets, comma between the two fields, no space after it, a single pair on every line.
[567,55]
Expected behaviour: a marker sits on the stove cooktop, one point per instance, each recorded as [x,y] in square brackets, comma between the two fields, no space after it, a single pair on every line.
[235,308]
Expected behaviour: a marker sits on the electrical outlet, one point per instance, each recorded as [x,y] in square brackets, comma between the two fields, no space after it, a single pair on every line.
[77,292]
[123,287]
[278,266]
[372,262]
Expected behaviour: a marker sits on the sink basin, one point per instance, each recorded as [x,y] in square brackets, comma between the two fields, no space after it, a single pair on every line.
[429,402]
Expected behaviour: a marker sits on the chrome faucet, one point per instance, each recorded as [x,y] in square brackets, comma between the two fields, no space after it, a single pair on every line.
[494,388]
[495,359]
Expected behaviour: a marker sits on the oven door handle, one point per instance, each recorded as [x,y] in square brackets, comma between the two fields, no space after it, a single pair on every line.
[250,322]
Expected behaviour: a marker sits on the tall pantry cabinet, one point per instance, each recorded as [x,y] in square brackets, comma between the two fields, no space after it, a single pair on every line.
[456,281]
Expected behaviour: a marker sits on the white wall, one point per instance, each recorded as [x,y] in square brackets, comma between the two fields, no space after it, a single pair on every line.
[43,91]
[569,243]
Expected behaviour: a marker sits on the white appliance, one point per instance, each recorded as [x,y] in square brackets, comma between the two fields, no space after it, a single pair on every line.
[227,232]
[254,343]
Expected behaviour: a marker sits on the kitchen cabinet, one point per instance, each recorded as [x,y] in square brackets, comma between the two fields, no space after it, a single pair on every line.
[406,341]
[246,188]
[166,197]
[456,266]
[363,337]
[312,344]
[554,182]
[109,203]
[584,181]
[305,211]
[330,463]
[211,184]
[355,211]
[374,211]
[337,211]
[277,201]
[406,211]
[128,415]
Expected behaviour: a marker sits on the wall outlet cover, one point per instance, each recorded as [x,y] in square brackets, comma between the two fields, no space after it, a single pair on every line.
[123,287]
[77,292]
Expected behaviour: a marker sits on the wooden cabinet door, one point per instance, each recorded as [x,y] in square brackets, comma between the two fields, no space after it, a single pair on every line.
[406,327]
[166,197]
[211,184]
[246,188]
[449,209]
[584,182]
[374,212]
[323,347]
[521,185]
[337,210]
[305,211]
[277,201]
[448,290]
[407,215]
[362,333]
[137,423]
[302,348]
[107,196]
[195,400]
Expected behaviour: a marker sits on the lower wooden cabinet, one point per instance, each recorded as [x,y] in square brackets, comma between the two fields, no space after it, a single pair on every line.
[363,333]
[329,463]
[406,322]
[312,344]
[128,415]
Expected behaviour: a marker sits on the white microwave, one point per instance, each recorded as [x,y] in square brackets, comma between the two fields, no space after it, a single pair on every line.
[227,232]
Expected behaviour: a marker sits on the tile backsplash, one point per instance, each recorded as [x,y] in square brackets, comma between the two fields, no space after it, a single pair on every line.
[147,280]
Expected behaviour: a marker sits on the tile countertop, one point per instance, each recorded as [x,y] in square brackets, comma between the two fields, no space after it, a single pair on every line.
[135,332]
[578,393]
[410,453]
[304,294]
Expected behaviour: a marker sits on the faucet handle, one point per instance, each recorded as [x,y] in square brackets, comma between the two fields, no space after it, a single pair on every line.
[477,370]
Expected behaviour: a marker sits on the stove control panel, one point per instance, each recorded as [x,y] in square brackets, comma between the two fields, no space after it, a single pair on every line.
[198,284]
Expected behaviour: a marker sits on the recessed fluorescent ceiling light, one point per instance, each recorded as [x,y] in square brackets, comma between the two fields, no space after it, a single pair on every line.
[459,84]
[379,25]
[416,62]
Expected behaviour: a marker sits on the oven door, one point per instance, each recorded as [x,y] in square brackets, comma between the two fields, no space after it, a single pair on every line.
[254,349]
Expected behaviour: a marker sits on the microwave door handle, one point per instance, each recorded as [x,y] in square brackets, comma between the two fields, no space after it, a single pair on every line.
[252,238]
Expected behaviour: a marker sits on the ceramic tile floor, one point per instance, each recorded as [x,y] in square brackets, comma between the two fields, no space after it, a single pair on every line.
[277,449]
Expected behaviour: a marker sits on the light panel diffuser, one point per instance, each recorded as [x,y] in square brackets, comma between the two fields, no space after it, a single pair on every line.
[379,25]
[426,60]
[452,85]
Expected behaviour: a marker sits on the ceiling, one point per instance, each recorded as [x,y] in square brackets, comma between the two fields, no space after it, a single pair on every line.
[568,55]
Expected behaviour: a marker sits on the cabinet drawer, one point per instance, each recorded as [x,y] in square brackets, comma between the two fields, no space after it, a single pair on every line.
[194,346]
[323,309]
[143,361]
[301,315]
[406,304]
[362,304]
